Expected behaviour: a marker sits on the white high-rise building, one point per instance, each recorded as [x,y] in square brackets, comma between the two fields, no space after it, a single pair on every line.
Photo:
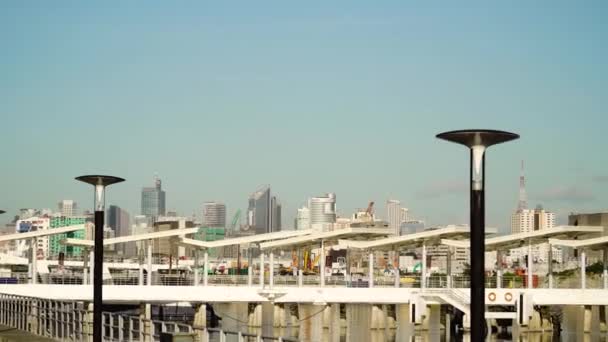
[528,220]
[303,219]
[33,224]
[214,214]
[405,215]
[394,216]
[68,208]
[322,211]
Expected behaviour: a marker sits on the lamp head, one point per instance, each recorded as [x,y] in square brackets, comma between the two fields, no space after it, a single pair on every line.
[100,182]
[477,140]
[2,211]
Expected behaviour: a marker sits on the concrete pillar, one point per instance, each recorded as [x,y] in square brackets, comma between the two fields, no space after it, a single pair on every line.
[448,264]
[583,269]
[140,276]
[358,319]
[262,269]
[498,269]
[605,254]
[434,312]
[85,267]
[34,273]
[405,328]
[334,324]
[149,258]
[322,263]
[592,320]
[268,319]
[196,267]
[199,325]
[91,265]
[396,267]
[271,270]
[145,316]
[206,268]
[89,318]
[573,323]
[448,326]
[234,316]
[423,270]
[311,322]
[529,266]
[371,269]
[249,276]
[550,266]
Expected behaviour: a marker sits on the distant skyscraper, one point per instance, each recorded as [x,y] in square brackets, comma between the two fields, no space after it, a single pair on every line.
[263,210]
[276,215]
[68,208]
[120,221]
[322,211]
[523,199]
[393,208]
[303,219]
[214,214]
[528,220]
[153,200]
[405,215]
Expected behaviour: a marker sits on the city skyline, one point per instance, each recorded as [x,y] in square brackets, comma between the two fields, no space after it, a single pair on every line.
[309,99]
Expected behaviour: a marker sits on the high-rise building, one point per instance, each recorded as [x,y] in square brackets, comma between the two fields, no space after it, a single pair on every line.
[68,208]
[393,208]
[153,200]
[120,221]
[528,220]
[55,245]
[214,214]
[523,198]
[591,219]
[405,215]
[264,212]
[303,219]
[322,211]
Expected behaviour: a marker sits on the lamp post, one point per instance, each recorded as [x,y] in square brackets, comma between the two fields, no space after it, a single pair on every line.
[100,183]
[477,140]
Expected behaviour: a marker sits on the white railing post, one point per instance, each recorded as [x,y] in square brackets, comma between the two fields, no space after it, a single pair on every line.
[206,266]
[583,269]
[262,269]
[271,270]
[249,276]
[371,269]
[300,278]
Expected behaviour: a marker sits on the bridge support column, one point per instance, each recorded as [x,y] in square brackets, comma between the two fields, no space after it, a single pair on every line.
[234,316]
[91,265]
[529,266]
[434,323]
[550,266]
[423,268]
[605,273]
[268,319]
[448,326]
[196,267]
[358,319]
[592,320]
[89,320]
[145,319]
[405,328]
[396,267]
[34,273]
[371,269]
[334,324]
[583,269]
[149,263]
[573,323]
[262,269]
[199,324]
[206,268]
[311,322]
[271,270]
[498,269]
[249,276]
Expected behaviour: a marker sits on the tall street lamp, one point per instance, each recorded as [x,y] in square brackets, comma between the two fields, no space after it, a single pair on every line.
[477,140]
[100,183]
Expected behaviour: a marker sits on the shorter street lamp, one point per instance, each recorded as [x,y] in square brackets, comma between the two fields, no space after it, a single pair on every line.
[477,140]
[100,183]
[2,211]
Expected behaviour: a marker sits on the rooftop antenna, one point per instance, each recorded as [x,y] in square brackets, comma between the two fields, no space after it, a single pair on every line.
[523,200]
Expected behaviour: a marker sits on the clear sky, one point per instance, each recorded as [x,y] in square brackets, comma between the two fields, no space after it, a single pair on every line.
[220,98]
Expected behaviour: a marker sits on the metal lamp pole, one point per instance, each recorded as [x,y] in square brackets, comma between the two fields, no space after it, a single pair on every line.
[100,183]
[477,141]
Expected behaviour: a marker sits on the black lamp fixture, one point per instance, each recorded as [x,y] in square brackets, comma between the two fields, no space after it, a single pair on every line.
[100,183]
[477,140]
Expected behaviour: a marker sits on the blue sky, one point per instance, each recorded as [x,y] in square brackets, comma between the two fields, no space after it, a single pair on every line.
[220,98]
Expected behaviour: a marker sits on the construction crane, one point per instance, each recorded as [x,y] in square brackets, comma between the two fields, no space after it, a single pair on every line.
[235,220]
[370,210]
